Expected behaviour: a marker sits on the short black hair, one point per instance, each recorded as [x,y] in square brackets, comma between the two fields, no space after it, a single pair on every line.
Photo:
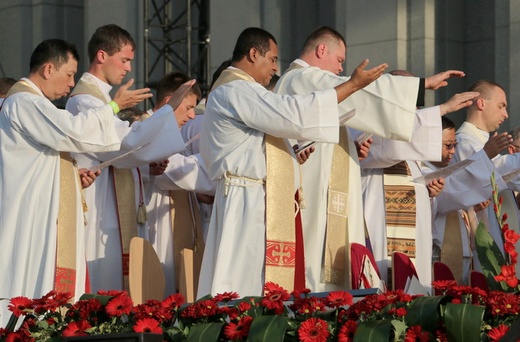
[109,38]
[322,33]
[173,80]
[5,84]
[56,51]
[447,123]
[252,37]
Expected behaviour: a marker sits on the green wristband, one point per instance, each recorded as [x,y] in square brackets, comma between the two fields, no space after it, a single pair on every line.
[114,106]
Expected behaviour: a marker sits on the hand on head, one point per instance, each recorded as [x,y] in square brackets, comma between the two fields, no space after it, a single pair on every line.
[458,101]
[179,94]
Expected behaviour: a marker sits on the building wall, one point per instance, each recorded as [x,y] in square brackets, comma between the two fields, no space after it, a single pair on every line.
[425,37]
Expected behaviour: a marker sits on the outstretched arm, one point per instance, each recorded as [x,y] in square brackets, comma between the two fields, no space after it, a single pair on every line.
[359,79]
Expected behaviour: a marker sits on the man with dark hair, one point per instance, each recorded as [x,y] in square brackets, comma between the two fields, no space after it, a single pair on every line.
[5,84]
[117,197]
[37,189]
[252,235]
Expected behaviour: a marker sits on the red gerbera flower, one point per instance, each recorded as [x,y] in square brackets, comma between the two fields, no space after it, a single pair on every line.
[118,306]
[226,296]
[148,325]
[19,336]
[347,331]
[18,305]
[239,330]
[415,333]
[243,306]
[338,298]
[497,333]
[76,329]
[173,301]
[313,329]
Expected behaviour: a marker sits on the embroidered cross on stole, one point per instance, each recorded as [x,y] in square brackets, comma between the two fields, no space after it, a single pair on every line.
[336,266]
[124,188]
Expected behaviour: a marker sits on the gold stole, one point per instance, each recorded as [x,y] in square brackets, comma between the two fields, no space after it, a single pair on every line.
[400,210]
[124,189]
[452,245]
[188,242]
[65,273]
[280,254]
[335,264]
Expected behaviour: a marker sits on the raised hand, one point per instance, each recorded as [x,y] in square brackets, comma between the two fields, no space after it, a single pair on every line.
[458,101]
[496,143]
[179,94]
[439,80]
[126,98]
[361,77]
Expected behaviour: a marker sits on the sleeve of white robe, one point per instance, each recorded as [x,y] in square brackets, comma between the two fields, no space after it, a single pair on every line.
[160,132]
[37,118]
[240,112]
[425,144]
[468,145]
[468,186]
[188,173]
[385,107]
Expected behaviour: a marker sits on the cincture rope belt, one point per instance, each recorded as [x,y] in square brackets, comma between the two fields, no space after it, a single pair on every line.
[231,179]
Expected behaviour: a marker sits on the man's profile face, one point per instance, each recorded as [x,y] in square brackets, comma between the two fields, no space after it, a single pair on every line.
[186,110]
[334,57]
[116,67]
[449,144]
[62,79]
[495,110]
[266,65]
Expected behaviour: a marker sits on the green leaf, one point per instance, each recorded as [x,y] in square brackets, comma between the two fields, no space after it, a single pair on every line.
[375,331]
[463,322]
[205,332]
[490,257]
[425,311]
[268,328]
[102,299]
[400,327]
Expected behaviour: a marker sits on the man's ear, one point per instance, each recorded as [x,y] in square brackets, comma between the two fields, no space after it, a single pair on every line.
[101,56]
[320,50]
[510,149]
[47,70]
[480,103]
[252,55]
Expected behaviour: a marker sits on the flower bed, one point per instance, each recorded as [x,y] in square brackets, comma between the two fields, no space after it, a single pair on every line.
[461,314]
